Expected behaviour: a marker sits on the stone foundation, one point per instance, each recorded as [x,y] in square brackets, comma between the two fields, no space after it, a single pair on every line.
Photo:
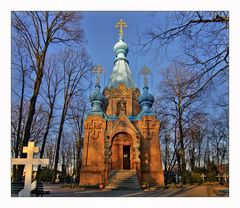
[155,178]
[91,177]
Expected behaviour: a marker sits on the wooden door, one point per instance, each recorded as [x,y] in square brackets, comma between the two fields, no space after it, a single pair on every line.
[126,157]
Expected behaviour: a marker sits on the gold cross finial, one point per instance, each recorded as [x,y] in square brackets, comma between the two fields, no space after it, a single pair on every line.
[145,71]
[121,24]
[98,69]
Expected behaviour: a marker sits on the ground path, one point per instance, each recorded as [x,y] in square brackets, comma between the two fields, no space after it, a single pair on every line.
[204,190]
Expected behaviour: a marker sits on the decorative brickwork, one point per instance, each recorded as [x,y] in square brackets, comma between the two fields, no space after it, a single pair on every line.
[105,139]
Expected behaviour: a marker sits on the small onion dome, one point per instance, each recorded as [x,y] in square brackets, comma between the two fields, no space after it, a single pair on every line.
[146,96]
[120,49]
[146,100]
[120,45]
[97,99]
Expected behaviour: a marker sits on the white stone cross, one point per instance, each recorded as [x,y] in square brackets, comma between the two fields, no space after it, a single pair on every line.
[203,177]
[176,178]
[219,176]
[225,177]
[29,162]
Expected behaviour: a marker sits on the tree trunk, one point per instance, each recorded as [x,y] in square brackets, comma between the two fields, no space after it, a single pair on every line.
[78,160]
[199,155]
[31,112]
[182,152]
[80,145]
[17,144]
[64,113]
[45,137]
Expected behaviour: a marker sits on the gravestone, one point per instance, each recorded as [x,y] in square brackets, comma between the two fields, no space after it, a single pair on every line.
[203,177]
[29,162]
[74,178]
[176,178]
[219,177]
[180,179]
[225,176]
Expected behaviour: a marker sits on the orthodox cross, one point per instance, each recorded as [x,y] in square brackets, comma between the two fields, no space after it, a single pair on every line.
[219,177]
[121,24]
[98,69]
[203,177]
[122,103]
[122,107]
[145,71]
[29,162]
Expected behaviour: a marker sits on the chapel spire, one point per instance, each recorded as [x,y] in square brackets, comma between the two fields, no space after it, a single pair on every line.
[121,72]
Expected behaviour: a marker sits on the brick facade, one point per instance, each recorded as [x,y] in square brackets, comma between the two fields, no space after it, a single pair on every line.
[120,136]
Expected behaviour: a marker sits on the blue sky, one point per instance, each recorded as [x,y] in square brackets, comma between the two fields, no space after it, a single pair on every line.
[101,36]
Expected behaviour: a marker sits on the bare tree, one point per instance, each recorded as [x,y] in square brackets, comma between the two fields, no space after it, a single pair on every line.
[78,110]
[68,152]
[204,40]
[203,43]
[49,151]
[180,105]
[52,79]
[219,141]
[39,123]
[195,140]
[19,66]
[76,66]
[37,31]
[169,145]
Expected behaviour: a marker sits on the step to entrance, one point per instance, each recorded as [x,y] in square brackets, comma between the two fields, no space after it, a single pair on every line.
[123,179]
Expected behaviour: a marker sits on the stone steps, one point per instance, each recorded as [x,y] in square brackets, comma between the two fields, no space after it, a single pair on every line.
[123,179]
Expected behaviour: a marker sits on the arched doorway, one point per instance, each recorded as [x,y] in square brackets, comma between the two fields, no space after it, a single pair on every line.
[122,152]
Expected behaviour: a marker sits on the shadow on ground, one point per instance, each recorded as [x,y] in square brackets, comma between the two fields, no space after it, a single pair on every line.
[204,190]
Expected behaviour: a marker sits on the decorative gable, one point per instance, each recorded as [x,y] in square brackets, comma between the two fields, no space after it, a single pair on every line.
[122,124]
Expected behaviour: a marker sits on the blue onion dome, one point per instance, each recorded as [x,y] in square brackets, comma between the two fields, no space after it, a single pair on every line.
[146,102]
[120,49]
[97,99]
[146,96]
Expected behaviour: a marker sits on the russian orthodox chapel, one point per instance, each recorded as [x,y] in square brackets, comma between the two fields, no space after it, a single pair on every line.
[121,132]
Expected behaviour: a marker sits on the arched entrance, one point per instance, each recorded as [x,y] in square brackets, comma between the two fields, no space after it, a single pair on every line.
[122,152]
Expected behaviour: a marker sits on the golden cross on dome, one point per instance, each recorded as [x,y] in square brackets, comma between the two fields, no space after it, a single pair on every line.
[121,24]
[145,71]
[98,69]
